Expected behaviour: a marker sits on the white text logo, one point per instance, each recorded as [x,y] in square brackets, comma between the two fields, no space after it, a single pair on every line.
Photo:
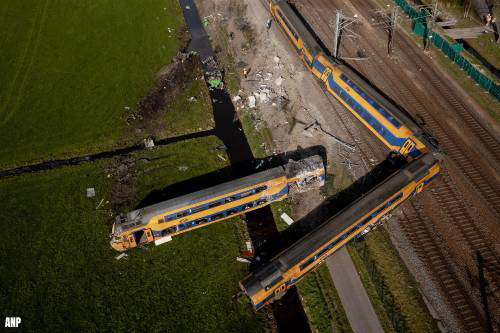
[12,321]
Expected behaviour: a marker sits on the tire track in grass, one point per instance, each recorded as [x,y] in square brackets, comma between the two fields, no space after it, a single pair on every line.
[26,64]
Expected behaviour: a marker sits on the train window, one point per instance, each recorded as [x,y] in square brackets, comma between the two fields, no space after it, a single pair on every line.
[230,199]
[214,204]
[231,211]
[307,263]
[261,201]
[182,214]
[197,209]
[247,206]
[172,217]
[181,226]
[287,25]
[217,216]
[273,283]
[246,194]
[260,189]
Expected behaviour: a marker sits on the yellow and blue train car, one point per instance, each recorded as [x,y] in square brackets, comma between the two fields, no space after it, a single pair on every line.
[270,282]
[393,126]
[158,222]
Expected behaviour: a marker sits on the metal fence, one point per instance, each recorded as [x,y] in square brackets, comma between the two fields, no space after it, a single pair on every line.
[452,52]
[398,320]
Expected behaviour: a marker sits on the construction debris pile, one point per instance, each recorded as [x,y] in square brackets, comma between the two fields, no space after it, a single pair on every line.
[268,89]
[213,74]
[301,169]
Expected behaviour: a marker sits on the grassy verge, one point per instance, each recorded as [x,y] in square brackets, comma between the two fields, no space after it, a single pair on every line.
[71,70]
[58,271]
[322,303]
[187,115]
[398,281]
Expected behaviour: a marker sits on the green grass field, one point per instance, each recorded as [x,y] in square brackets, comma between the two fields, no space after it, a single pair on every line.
[70,68]
[58,271]
[398,280]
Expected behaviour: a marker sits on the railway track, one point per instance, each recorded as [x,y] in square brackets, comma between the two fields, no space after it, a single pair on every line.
[420,234]
[447,197]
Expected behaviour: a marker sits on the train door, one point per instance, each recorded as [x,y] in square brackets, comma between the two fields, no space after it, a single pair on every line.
[131,241]
[326,73]
[407,147]
[280,291]
[142,237]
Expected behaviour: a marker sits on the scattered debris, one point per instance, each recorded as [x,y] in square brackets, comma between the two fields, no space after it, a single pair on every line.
[188,8]
[127,107]
[268,24]
[100,203]
[279,81]
[90,192]
[243,260]
[149,143]
[214,84]
[206,20]
[251,101]
[259,165]
[193,99]
[121,256]
[236,99]
[249,245]
[182,168]
[163,240]
[277,59]
[287,219]
[220,156]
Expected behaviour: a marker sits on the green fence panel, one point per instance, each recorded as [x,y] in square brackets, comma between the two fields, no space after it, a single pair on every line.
[485,82]
[419,29]
[475,74]
[437,40]
[445,47]
[452,51]
[459,60]
[457,47]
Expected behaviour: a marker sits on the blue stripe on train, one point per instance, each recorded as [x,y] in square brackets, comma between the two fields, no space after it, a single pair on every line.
[371,120]
[319,67]
[223,214]
[370,101]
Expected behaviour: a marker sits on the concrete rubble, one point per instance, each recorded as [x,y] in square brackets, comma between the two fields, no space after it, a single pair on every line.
[243,260]
[287,219]
[90,192]
[149,143]
[121,256]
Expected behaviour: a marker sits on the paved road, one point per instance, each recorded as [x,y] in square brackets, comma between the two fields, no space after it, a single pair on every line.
[352,293]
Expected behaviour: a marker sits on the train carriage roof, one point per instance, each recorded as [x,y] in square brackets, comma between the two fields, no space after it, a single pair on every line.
[309,40]
[347,217]
[146,213]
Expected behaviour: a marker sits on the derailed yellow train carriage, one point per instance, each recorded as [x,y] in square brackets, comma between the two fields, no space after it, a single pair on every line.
[393,126]
[269,282]
[158,223]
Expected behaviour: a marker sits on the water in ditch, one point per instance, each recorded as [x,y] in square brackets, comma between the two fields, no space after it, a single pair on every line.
[288,312]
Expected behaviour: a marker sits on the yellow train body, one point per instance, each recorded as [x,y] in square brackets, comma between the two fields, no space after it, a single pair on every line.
[161,221]
[271,281]
[391,125]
